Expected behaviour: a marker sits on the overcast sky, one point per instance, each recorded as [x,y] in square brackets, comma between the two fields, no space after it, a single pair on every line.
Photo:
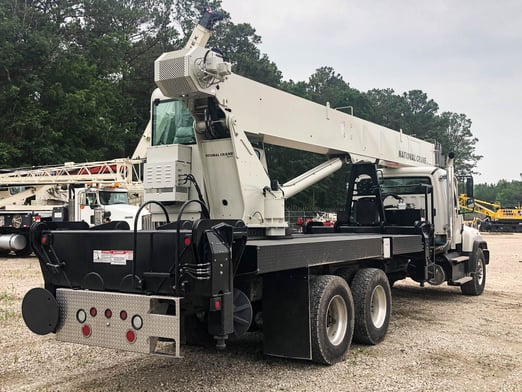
[466,55]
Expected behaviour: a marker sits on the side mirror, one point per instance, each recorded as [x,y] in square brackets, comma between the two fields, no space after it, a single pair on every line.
[469,187]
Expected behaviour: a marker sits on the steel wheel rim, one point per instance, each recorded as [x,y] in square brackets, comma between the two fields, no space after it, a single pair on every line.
[480,272]
[378,306]
[336,320]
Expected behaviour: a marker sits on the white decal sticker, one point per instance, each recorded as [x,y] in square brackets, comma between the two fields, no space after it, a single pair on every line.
[116,257]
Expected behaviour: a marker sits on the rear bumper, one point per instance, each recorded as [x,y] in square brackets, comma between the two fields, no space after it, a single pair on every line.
[138,323]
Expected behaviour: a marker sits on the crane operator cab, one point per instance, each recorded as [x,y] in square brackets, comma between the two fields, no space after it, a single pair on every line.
[172,159]
[172,123]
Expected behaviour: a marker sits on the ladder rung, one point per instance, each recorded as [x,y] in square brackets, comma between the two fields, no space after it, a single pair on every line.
[459,259]
[463,280]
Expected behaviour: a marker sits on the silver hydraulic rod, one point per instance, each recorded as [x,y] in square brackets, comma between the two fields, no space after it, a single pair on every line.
[310,177]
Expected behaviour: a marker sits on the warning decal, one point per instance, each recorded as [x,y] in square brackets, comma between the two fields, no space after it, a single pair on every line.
[116,257]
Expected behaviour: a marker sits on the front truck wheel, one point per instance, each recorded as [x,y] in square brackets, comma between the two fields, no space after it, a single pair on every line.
[372,299]
[477,284]
[331,318]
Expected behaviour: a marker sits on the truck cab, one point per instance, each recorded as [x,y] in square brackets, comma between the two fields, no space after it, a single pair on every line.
[424,188]
[98,205]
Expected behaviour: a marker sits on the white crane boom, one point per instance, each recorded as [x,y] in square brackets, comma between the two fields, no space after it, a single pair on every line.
[231,112]
[276,117]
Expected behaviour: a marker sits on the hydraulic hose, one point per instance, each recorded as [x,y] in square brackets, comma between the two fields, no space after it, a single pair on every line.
[135,234]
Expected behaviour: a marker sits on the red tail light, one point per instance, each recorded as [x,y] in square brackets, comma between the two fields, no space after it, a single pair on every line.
[131,336]
[86,330]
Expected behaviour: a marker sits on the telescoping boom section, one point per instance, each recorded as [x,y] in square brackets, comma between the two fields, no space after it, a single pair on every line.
[225,262]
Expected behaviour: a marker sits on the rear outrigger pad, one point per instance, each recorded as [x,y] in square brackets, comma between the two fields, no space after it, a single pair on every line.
[40,311]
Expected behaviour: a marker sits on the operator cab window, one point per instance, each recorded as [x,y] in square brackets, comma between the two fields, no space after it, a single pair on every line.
[405,185]
[172,123]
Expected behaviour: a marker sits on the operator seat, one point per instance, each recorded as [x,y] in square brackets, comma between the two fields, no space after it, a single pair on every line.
[366,212]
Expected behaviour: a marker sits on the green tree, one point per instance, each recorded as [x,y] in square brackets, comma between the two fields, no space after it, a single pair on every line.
[326,85]
[187,13]
[455,136]
[509,193]
[486,192]
[420,116]
[411,112]
[122,39]
[386,108]
[76,77]
[29,46]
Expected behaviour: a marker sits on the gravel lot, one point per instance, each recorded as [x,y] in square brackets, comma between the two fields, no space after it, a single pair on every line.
[438,340]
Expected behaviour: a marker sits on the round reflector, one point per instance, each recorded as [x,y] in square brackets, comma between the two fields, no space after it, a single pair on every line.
[81,316]
[187,241]
[108,313]
[137,322]
[93,312]
[123,315]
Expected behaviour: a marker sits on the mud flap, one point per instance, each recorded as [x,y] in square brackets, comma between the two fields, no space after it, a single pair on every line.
[286,315]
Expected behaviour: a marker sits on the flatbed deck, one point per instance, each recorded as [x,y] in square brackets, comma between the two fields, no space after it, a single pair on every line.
[307,250]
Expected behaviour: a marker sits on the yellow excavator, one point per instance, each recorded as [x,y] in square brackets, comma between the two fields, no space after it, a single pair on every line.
[495,217]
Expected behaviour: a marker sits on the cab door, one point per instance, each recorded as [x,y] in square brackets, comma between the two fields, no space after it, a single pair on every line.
[87,202]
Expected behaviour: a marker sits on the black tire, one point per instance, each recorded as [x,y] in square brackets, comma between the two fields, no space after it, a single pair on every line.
[372,299]
[24,252]
[331,318]
[477,285]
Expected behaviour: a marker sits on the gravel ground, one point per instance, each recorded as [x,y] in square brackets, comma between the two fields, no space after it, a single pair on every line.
[438,340]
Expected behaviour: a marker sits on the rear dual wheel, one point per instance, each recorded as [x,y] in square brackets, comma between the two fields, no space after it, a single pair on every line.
[372,299]
[332,318]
